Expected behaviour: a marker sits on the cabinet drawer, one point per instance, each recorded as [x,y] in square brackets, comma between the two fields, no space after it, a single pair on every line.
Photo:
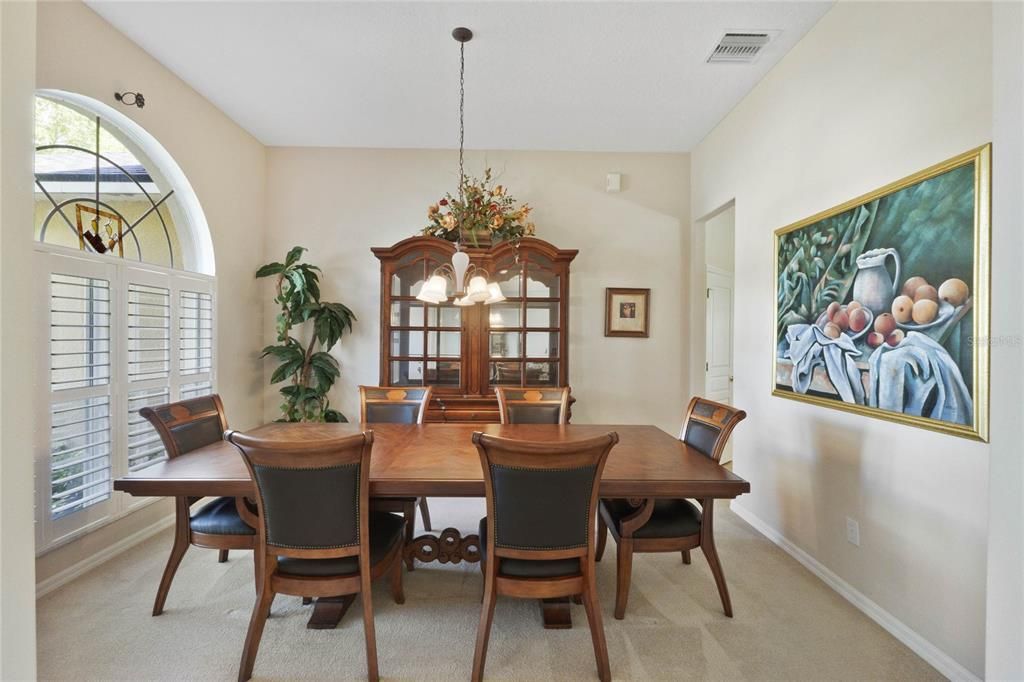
[484,416]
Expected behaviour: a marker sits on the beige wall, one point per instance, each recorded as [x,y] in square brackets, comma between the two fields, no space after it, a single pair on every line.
[17,603]
[1004,632]
[719,240]
[875,92]
[340,202]
[227,169]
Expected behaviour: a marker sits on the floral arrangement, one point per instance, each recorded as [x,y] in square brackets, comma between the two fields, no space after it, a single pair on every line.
[483,211]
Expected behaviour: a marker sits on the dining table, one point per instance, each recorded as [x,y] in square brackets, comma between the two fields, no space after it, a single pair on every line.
[440,460]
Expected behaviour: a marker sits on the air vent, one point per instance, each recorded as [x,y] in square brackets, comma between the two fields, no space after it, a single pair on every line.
[739,48]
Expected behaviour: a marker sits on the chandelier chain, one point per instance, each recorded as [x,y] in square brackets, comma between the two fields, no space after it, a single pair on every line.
[462,123]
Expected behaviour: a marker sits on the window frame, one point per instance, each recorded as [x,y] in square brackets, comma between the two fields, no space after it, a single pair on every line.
[49,259]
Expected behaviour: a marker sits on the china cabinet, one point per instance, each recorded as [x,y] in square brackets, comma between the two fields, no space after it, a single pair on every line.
[465,351]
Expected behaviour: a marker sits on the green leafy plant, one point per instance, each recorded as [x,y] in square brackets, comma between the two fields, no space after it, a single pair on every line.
[309,368]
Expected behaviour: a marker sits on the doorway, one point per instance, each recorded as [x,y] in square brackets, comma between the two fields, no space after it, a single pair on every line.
[719,268]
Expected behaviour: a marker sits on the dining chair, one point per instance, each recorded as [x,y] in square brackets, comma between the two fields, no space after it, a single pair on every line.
[533,405]
[537,540]
[383,405]
[671,525]
[317,537]
[226,523]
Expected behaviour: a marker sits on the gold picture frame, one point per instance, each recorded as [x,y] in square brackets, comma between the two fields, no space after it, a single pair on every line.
[938,378]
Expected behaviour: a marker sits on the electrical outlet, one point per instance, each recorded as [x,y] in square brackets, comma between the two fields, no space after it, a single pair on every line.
[852,532]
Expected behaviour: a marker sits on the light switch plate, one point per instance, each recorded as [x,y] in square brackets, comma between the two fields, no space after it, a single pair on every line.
[614,182]
[852,532]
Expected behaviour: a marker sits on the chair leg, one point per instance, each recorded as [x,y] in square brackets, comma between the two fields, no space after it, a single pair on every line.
[593,608]
[624,555]
[397,592]
[178,550]
[483,633]
[222,556]
[602,537]
[368,630]
[260,612]
[425,513]
[686,557]
[409,512]
[711,554]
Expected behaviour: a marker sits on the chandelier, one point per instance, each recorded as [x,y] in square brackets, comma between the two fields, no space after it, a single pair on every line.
[471,284]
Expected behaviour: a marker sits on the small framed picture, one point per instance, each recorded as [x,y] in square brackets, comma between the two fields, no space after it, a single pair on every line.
[627,312]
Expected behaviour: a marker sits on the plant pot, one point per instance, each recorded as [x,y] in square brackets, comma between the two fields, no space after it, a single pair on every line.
[481,238]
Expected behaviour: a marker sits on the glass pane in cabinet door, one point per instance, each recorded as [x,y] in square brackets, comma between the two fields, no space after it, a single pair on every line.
[541,283]
[406,372]
[541,344]
[443,373]
[505,345]
[501,315]
[408,280]
[509,279]
[542,374]
[444,344]
[542,314]
[450,317]
[504,373]
[406,314]
[407,343]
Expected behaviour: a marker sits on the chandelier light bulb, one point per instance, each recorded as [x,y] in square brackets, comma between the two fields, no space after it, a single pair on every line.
[494,294]
[477,290]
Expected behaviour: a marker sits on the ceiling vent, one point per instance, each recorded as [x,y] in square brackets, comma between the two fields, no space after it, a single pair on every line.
[740,48]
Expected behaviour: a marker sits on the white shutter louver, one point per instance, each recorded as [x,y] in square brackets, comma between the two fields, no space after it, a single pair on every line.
[144,444]
[195,390]
[149,332]
[79,332]
[196,333]
[80,463]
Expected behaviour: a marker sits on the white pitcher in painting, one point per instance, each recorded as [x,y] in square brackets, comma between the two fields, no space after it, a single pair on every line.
[873,287]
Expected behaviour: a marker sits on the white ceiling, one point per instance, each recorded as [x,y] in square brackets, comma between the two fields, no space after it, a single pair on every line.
[616,76]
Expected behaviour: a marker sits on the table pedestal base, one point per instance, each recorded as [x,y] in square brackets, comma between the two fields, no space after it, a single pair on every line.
[448,547]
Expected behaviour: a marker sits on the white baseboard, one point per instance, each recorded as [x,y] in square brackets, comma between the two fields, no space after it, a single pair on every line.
[85,565]
[935,657]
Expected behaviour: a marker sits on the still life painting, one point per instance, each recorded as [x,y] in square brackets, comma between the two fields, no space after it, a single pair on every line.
[881,304]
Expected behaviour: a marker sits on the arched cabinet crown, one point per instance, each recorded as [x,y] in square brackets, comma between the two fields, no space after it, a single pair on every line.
[464,352]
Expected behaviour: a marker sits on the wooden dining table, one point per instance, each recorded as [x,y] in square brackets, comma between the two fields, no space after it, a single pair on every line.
[440,460]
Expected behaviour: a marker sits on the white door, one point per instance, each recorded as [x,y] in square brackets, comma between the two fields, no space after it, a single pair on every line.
[718,341]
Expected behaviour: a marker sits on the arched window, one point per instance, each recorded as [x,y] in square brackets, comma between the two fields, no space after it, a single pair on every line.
[125,266]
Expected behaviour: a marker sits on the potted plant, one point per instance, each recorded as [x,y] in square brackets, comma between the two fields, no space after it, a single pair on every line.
[309,369]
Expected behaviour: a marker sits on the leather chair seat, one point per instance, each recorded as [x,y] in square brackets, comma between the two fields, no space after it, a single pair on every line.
[220,517]
[526,568]
[385,530]
[670,519]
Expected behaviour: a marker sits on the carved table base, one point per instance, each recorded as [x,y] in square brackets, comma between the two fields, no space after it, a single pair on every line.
[448,547]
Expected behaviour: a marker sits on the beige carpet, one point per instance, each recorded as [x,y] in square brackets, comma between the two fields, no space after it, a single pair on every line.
[788,624]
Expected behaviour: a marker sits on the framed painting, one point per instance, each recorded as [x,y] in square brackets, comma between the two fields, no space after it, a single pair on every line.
[882,303]
[627,312]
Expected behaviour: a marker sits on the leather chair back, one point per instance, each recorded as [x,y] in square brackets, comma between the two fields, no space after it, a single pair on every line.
[187,425]
[312,494]
[383,405]
[707,426]
[541,496]
[533,405]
